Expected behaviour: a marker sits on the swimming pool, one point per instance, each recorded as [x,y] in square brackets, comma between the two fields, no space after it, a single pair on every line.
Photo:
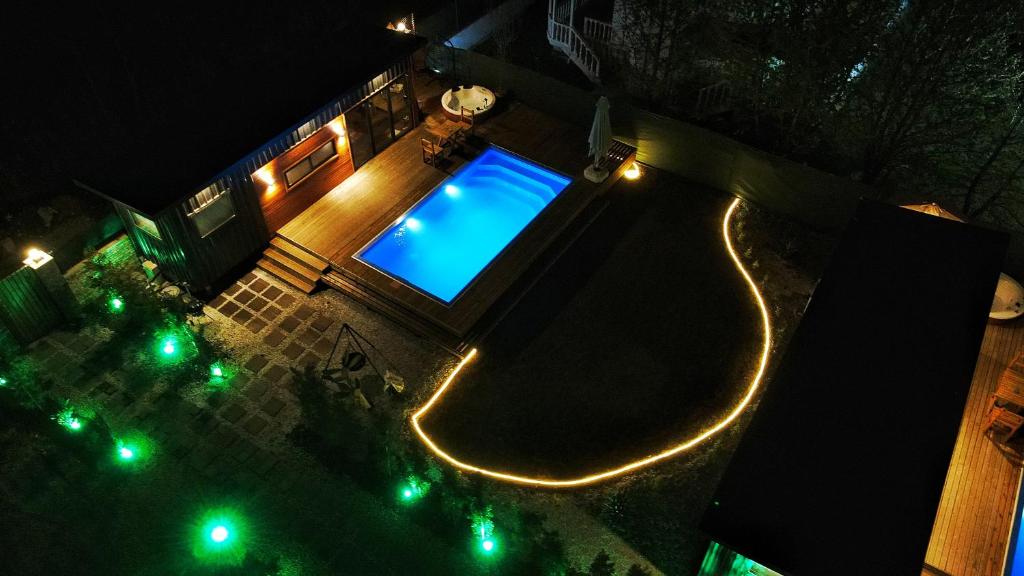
[443,242]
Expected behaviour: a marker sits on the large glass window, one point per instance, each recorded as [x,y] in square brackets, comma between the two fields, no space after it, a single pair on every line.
[379,119]
[307,165]
[210,209]
[145,224]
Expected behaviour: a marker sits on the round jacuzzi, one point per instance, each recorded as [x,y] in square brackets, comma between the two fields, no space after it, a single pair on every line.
[1008,302]
[476,98]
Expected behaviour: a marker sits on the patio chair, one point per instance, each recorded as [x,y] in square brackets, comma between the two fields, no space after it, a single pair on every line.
[467,118]
[1002,423]
[433,152]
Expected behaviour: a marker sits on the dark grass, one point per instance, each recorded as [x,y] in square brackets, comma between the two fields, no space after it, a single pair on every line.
[642,334]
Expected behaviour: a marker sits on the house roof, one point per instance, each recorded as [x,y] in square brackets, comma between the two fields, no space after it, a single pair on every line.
[152,106]
[842,467]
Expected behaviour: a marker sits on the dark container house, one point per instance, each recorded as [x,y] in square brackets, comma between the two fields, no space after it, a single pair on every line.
[220,128]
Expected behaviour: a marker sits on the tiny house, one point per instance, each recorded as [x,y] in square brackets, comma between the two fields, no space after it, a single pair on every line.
[221,131]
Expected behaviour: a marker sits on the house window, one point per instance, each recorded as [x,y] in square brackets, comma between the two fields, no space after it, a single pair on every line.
[305,131]
[145,224]
[210,209]
[309,164]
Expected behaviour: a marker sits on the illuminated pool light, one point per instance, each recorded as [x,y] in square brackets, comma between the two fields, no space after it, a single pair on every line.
[413,224]
[609,473]
[452,191]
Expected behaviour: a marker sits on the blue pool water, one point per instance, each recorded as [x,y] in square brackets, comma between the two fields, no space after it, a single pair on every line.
[453,233]
[1015,552]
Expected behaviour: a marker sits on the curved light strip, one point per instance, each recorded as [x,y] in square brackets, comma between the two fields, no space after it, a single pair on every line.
[637,464]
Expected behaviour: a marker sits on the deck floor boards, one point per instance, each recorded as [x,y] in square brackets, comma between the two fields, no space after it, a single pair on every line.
[975,513]
[348,217]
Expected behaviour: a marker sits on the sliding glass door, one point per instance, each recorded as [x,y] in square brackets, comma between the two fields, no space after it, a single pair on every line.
[379,119]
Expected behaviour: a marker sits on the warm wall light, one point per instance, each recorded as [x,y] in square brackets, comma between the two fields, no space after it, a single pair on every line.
[633,172]
[36,258]
[337,127]
[401,27]
[266,175]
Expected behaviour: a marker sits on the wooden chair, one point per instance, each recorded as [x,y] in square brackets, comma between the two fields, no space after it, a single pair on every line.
[434,152]
[1003,422]
[467,118]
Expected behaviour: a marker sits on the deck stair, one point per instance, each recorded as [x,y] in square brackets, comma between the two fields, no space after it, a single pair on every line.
[292,264]
[564,35]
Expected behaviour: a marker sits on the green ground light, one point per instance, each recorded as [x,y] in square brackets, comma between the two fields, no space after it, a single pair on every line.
[115,304]
[132,450]
[3,381]
[412,490]
[221,374]
[68,419]
[483,530]
[218,538]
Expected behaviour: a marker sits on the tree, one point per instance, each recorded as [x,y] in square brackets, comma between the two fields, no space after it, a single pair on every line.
[638,570]
[602,565]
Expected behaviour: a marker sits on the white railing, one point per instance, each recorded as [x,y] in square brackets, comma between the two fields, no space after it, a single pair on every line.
[599,31]
[714,98]
[563,35]
[572,43]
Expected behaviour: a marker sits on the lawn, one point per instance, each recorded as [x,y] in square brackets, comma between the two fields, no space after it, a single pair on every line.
[641,335]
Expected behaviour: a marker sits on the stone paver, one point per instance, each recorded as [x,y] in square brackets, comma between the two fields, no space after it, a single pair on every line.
[233,289]
[257,304]
[289,324]
[256,363]
[259,285]
[275,373]
[285,300]
[262,461]
[309,358]
[323,347]
[308,337]
[303,312]
[255,325]
[243,451]
[256,390]
[233,413]
[248,278]
[272,292]
[292,350]
[229,308]
[242,316]
[245,296]
[273,406]
[255,424]
[270,313]
[218,301]
[274,338]
[322,323]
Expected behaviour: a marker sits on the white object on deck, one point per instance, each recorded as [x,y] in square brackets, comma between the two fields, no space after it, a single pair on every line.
[1008,302]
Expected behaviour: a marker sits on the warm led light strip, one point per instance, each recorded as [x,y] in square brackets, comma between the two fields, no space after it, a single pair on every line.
[637,464]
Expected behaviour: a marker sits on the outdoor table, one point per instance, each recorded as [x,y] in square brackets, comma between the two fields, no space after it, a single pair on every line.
[445,131]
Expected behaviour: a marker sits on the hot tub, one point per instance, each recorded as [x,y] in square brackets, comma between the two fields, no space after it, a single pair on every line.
[476,98]
[1008,302]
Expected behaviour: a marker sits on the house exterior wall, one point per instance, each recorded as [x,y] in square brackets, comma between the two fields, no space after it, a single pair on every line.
[183,255]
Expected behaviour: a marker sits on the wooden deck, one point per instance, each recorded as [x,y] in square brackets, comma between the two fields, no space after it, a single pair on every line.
[347,218]
[975,514]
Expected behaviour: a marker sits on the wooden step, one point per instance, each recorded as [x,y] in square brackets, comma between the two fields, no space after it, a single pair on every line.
[286,275]
[288,263]
[381,304]
[299,254]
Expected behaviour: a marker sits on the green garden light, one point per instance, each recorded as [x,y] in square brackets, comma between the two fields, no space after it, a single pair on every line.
[116,304]
[133,450]
[168,347]
[75,424]
[3,381]
[413,489]
[488,545]
[66,418]
[219,537]
[125,453]
[216,371]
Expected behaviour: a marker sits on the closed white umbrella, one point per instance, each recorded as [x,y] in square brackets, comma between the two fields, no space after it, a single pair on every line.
[600,141]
